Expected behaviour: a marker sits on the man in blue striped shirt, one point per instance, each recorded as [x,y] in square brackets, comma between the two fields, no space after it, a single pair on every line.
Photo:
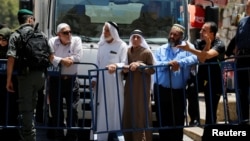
[172,72]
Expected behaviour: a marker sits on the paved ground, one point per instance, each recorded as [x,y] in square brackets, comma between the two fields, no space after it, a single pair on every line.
[41,136]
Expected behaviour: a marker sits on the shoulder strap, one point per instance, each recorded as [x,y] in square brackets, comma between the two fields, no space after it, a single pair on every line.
[20,33]
[25,36]
[21,40]
[36,27]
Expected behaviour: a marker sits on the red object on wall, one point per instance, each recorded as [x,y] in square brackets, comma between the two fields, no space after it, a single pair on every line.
[220,3]
[197,16]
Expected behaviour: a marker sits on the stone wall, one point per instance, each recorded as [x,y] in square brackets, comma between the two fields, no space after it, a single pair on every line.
[229,15]
[229,18]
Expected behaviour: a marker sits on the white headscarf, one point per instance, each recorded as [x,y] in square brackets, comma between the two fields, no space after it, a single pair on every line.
[143,44]
[138,32]
[113,29]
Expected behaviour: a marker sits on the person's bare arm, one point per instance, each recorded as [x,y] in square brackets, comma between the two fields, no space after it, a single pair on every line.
[10,66]
[202,55]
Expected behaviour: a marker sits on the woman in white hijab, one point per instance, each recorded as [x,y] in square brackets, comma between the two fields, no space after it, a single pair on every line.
[137,99]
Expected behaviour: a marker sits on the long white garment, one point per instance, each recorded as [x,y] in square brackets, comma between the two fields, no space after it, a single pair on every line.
[110,53]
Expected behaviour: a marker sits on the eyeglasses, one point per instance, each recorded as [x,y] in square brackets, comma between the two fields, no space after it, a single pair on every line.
[66,32]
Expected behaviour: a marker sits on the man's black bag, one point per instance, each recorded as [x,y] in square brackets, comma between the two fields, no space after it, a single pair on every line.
[34,50]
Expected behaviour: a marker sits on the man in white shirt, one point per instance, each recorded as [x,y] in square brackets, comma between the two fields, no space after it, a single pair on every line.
[67,50]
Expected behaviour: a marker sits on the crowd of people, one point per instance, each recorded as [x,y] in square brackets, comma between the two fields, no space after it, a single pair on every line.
[129,106]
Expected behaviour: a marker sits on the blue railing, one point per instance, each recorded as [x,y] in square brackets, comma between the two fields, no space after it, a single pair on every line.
[89,98]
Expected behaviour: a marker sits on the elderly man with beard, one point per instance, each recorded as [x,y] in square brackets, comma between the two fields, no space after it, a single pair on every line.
[170,82]
[108,102]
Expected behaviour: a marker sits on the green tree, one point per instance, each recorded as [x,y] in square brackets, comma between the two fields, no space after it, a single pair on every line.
[8,14]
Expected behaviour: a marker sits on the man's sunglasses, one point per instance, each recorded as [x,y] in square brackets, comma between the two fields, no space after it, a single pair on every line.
[66,32]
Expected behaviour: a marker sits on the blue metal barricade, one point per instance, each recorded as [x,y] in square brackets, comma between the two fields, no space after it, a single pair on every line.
[4,95]
[83,103]
[225,67]
[89,100]
[8,104]
[102,93]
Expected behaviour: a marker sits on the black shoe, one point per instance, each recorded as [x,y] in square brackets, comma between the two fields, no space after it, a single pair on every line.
[194,123]
[245,122]
[10,134]
[55,134]
[71,138]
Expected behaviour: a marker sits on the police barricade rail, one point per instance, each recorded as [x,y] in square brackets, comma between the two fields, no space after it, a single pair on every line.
[84,102]
[3,66]
[8,105]
[102,93]
[4,95]
[225,67]
[87,96]
[81,83]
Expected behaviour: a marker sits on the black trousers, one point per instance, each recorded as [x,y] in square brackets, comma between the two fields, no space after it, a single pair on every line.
[212,100]
[212,86]
[56,94]
[192,97]
[243,82]
[170,105]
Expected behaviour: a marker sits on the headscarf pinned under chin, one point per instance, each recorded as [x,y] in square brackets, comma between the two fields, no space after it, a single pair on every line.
[138,32]
[113,29]
[143,44]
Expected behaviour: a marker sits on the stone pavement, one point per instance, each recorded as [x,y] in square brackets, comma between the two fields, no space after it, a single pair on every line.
[190,133]
[41,136]
[195,133]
